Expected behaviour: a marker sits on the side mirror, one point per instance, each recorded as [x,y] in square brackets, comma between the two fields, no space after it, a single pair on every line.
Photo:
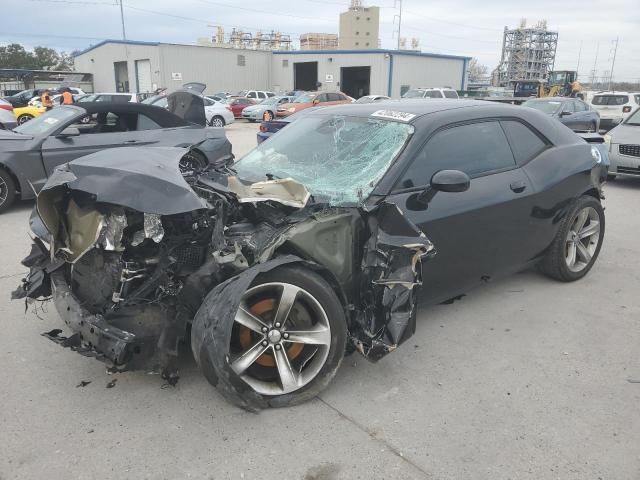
[69,132]
[450,181]
[316,101]
[564,114]
[444,181]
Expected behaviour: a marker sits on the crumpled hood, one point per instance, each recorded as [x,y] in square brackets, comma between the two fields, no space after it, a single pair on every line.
[625,134]
[147,180]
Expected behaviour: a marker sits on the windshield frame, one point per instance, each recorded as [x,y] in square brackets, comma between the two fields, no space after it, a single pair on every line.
[77,112]
[375,182]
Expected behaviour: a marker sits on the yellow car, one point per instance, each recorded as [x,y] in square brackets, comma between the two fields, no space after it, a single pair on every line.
[24,114]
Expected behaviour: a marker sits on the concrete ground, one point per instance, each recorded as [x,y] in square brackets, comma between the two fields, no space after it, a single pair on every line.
[525,378]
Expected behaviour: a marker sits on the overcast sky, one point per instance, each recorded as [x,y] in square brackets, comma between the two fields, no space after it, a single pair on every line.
[464,27]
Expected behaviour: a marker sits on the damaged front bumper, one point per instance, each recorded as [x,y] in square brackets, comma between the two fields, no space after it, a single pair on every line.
[92,336]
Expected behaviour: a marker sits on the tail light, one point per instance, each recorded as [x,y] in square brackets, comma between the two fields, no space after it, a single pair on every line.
[6,106]
[626,109]
[263,128]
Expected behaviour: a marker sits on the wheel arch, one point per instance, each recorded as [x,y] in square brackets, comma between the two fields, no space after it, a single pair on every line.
[14,177]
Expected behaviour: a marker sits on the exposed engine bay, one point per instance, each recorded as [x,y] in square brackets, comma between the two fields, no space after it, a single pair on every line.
[130,250]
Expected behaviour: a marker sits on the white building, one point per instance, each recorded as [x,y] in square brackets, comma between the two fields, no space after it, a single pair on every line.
[145,66]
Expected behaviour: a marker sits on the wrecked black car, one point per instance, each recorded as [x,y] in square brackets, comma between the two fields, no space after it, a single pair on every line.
[313,244]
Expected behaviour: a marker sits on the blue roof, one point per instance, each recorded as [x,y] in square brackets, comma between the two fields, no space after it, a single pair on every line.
[298,52]
[123,42]
[370,50]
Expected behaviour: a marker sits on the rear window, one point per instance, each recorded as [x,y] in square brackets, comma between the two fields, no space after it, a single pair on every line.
[610,99]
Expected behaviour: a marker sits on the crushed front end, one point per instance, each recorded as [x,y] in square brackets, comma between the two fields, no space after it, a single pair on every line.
[128,251]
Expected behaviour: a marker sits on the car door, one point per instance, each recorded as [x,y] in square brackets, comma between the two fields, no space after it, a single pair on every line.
[568,115]
[104,131]
[477,233]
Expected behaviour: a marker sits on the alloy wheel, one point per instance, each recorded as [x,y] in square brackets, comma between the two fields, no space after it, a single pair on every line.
[3,191]
[23,119]
[281,338]
[217,122]
[583,239]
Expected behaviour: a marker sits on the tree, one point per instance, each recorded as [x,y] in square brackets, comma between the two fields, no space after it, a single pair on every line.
[45,58]
[477,71]
[15,55]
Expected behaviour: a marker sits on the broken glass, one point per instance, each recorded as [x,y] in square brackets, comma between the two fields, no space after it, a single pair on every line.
[339,159]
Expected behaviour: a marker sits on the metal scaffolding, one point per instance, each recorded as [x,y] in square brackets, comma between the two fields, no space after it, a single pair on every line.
[528,53]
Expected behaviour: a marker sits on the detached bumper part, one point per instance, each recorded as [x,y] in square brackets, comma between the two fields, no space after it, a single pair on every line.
[92,335]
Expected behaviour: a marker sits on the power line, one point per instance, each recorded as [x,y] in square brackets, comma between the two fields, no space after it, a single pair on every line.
[266,12]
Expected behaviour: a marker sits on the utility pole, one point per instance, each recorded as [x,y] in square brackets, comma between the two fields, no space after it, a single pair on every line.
[595,66]
[399,4]
[124,35]
[613,62]
[578,66]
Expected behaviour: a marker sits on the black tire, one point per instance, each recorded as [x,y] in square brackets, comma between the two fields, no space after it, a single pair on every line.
[554,264]
[267,116]
[611,177]
[7,190]
[193,161]
[593,128]
[25,117]
[319,289]
[217,119]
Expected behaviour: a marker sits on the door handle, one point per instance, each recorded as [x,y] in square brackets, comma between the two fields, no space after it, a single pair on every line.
[130,141]
[518,186]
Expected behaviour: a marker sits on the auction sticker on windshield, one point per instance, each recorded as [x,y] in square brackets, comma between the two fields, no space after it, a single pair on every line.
[394,115]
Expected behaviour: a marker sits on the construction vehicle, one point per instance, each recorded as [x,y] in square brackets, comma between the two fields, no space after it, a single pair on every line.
[561,83]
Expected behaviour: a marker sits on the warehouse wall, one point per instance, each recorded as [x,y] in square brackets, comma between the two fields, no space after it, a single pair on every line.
[422,71]
[215,66]
[282,77]
[99,61]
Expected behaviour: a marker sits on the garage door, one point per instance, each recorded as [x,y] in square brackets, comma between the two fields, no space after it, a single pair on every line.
[143,75]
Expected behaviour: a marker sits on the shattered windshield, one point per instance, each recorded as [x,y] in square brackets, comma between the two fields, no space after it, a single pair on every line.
[338,159]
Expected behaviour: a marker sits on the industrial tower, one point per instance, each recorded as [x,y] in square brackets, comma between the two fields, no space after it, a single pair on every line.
[528,53]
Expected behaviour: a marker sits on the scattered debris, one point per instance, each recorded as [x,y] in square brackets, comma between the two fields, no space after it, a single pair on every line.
[112,383]
[453,299]
[83,383]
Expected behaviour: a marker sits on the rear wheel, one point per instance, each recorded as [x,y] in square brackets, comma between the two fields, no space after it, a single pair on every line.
[25,117]
[267,116]
[217,121]
[577,243]
[288,337]
[7,190]
[593,128]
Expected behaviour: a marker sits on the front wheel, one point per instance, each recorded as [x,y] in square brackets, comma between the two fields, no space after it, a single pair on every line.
[267,116]
[288,336]
[7,190]
[577,243]
[593,128]
[25,117]
[217,121]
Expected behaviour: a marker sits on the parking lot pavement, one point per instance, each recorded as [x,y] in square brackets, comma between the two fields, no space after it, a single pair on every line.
[525,378]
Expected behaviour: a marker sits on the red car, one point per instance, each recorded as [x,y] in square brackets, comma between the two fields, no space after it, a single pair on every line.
[238,104]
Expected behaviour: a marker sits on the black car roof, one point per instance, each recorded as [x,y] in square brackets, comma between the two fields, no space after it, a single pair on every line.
[417,107]
[161,116]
